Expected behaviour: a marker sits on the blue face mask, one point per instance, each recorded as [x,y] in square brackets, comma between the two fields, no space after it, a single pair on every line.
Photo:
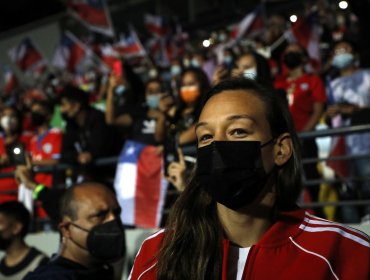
[222,37]
[152,101]
[195,63]
[175,70]
[228,59]
[119,89]
[343,60]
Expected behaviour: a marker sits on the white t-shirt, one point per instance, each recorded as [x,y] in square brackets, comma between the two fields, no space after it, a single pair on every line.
[236,262]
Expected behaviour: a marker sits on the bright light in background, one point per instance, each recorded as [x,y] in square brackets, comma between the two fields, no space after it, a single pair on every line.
[206,43]
[17,151]
[293,18]
[343,5]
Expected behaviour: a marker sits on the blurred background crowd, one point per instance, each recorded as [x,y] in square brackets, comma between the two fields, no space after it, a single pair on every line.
[116,85]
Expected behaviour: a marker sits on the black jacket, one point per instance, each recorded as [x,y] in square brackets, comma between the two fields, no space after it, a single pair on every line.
[93,137]
[64,269]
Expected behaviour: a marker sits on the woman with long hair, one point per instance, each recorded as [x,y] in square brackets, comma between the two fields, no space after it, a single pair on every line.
[237,218]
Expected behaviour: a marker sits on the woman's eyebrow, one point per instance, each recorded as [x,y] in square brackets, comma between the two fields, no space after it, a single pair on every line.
[237,117]
[229,118]
[200,124]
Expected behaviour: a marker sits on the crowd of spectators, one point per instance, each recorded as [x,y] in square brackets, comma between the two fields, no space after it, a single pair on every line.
[59,120]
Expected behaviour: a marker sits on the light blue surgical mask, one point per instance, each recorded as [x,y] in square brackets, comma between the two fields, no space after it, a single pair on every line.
[195,63]
[222,37]
[228,59]
[152,101]
[342,60]
[186,62]
[175,70]
[120,89]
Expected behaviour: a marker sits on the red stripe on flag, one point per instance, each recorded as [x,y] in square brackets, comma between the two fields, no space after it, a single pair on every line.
[77,52]
[131,49]
[148,187]
[302,32]
[30,58]
[90,14]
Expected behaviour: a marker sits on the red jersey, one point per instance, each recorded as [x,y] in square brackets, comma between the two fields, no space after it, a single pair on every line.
[46,146]
[297,246]
[302,93]
[8,186]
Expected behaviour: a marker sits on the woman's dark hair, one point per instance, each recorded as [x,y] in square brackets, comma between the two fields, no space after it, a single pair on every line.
[192,246]
[154,80]
[47,105]
[76,95]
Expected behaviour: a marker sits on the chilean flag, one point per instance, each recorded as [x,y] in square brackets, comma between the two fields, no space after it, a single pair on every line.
[94,14]
[26,55]
[130,46]
[69,53]
[306,31]
[140,185]
[251,24]
[10,81]
[109,56]
[155,25]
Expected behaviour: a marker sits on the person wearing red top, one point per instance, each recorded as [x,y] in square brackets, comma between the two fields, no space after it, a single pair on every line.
[237,218]
[11,137]
[306,98]
[46,145]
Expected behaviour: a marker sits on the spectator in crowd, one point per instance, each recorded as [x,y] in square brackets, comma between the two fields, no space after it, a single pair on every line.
[87,136]
[200,60]
[46,144]
[253,66]
[227,58]
[350,97]
[176,70]
[306,98]
[147,122]
[19,258]
[194,85]
[92,235]
[238,215]
[12,137]
[45,147]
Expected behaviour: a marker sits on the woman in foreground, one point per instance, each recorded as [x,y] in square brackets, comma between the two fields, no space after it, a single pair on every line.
[237,218]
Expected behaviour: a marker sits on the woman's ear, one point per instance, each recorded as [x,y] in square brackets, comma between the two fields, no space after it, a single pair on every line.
[283,149]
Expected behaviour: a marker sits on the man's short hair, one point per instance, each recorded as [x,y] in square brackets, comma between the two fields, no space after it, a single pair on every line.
[47,105]
[18,212]
[74,94]
[69,204]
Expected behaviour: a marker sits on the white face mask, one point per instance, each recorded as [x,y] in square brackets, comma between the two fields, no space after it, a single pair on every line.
[250,73]
[6,122]
[153,73]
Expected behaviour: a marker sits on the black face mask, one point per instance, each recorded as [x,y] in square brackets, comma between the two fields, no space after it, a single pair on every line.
[37,119]
[4,243]
[66,117]
[293,59]
[105,242]
[232,171]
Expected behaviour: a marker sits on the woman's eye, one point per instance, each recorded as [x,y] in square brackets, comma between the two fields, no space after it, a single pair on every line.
[238,132]
[205,137]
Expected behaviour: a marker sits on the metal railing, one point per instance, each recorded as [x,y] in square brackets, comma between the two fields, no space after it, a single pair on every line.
[312,134]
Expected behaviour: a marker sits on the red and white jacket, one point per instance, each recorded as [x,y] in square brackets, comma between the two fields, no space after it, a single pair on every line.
[297,246]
